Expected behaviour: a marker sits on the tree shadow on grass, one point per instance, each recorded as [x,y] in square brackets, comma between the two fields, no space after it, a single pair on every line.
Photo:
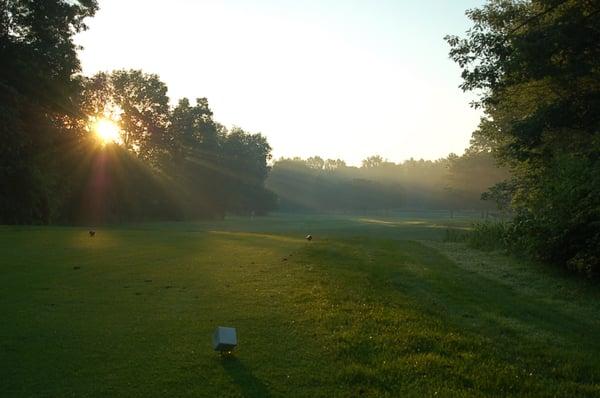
[250,385]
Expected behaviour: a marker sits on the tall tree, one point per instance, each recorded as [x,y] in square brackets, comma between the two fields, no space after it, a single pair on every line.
[140,103]
[197,164]
[536,65]
[193,129]
[245,167]
[37,87]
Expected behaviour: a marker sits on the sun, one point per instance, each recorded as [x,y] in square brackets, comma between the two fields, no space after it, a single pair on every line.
[107,131]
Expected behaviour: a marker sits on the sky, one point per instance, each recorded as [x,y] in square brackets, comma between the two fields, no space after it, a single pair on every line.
[338,79]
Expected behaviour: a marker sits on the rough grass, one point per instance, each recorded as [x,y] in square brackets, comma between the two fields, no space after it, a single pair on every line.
[371,307]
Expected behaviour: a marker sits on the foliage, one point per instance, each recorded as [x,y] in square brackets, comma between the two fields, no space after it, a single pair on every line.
[245,170]
[483,235]
[501,194]
[111,186]
[140,102]
[472,175]
[489,235]
[330,185]
[172,163]
[37,84]
[536,66]
[211,170]
[562,220]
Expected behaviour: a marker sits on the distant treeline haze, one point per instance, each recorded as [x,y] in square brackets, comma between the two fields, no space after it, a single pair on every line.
[452,183]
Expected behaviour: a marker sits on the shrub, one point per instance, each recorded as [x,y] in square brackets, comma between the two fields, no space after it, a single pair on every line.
[456,235]
[491,235]
[488,235]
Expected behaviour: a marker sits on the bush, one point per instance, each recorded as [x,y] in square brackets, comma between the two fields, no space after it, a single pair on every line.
[488,235]
[558,222]
[491,235]
[556,218]
[456,235]
[525,236]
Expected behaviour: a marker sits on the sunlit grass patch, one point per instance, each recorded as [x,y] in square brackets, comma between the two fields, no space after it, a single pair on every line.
[253,235]
[414,323]
[393,223]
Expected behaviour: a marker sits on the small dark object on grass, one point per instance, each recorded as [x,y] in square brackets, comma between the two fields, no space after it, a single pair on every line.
[76,267]
[309,237]
[92,233]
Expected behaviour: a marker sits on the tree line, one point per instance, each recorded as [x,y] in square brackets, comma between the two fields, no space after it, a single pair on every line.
[173,162]
[451,183]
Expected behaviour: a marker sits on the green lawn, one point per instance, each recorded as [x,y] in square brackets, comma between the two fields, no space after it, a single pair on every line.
[374,306]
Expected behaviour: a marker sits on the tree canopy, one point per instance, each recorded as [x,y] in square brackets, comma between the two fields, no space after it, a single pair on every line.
[452,183]
[536,67]
[171,161]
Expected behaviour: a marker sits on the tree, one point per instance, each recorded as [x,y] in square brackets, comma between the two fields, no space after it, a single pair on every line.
[245,168]
[413,184]
[171,162]
[372,161]
[140,103]
[37,114]
[196,161]
[315,162]
[471,175]
[501,194]
[193,127]
[334,164]
[536,66]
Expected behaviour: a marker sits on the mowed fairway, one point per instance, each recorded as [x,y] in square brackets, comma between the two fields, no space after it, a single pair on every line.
[373,306]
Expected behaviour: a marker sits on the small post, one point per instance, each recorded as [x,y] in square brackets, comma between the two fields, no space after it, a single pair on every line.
[224,340]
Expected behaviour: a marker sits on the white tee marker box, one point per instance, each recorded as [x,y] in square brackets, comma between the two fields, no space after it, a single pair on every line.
[224,339]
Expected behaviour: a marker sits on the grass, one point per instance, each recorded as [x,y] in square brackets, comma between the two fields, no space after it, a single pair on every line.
[372,307]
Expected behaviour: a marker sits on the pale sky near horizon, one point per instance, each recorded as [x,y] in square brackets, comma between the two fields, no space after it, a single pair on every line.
[339,79]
